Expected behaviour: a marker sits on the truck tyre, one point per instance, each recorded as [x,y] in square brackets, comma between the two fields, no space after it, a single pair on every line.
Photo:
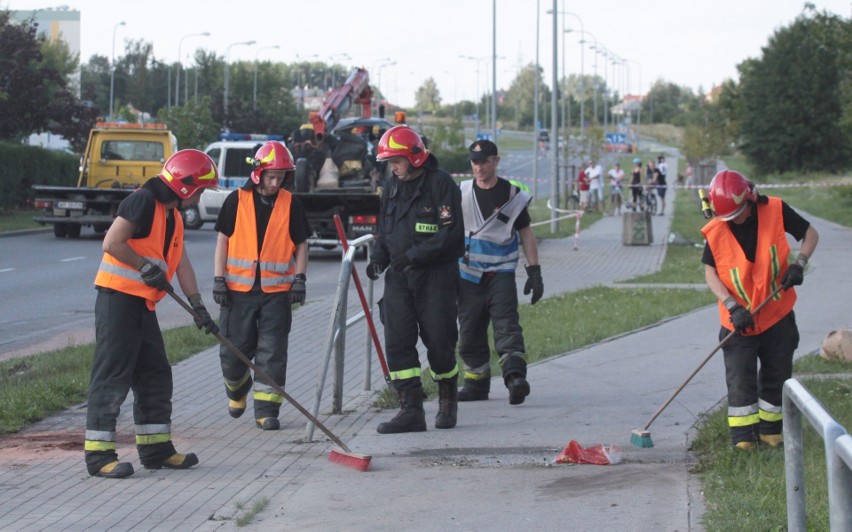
[74,230]
[60,230]
[303,175]
[192,218]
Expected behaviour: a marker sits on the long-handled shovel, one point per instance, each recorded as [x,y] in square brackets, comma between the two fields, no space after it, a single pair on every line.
[342,455]
[642,437]
[342,235]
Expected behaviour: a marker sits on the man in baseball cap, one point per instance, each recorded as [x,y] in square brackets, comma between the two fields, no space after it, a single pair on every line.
[482,149]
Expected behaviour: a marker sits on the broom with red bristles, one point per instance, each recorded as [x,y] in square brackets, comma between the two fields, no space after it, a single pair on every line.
[341,454]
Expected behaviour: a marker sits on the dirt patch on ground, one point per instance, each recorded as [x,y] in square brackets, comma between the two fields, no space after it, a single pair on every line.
[24,446]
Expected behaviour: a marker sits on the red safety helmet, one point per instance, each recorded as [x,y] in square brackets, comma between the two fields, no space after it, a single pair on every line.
[728,193]
[271,156]
[188,171]
[402,141]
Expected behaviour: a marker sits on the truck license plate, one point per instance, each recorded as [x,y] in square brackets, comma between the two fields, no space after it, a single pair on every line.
[70,205]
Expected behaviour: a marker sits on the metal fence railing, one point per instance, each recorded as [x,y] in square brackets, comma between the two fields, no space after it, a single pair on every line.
[797,402]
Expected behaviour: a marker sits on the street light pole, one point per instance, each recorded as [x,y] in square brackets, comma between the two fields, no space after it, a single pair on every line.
[112,70]
[180,44]
[554,178]
[536,84]
[227,72]
[254,91]
[494,69]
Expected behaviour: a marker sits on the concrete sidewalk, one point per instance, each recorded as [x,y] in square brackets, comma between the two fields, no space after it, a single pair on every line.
[492,472]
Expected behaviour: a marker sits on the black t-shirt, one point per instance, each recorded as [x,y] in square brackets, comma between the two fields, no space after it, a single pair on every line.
[746,233]
[491,199]
[227,220]
[139,209]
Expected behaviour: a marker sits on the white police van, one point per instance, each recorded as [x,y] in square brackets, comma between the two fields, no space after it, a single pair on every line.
[229,153]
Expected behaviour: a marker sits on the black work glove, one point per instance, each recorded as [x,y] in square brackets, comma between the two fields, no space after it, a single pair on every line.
[741,319]
[203,320]
[535,283]
[298,290]
[154,276]
[220,292]
[401,263]
[375,269]
[794,276]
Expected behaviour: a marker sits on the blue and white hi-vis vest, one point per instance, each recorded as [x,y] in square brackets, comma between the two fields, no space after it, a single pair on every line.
[491,244]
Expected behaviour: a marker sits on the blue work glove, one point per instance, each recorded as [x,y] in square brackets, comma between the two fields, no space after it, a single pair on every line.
[375,269]
[298,290]
[741,318]
[535,283]
[154,276]
[220,292]
[203,320]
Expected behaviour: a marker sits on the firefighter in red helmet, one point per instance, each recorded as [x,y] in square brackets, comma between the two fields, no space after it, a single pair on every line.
[419,241]
[143,251]
[259,268]
[745,260]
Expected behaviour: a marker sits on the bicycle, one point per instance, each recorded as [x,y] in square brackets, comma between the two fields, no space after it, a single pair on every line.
[650,199]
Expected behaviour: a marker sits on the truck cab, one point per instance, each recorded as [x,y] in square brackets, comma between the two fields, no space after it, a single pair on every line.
[229,153]
[119,158]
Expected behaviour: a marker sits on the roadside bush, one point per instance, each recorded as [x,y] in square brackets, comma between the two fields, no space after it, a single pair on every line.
[24,166]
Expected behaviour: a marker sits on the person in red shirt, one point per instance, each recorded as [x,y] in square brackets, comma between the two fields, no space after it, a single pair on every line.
[583,187]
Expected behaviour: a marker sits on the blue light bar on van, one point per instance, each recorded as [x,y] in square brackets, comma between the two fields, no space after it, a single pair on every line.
[249,136]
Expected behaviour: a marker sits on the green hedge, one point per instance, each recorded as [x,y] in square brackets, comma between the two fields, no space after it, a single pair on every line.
[23,166]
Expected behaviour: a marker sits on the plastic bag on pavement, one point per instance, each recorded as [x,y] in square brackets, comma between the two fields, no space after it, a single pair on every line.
[597,454]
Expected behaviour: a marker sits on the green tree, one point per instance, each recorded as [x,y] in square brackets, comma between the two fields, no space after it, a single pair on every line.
[667,103]
[519,100]
[34,92]
[794,116]
[428,97]
[192,123]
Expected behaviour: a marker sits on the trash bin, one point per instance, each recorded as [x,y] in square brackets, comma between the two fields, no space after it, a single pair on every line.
[637,229]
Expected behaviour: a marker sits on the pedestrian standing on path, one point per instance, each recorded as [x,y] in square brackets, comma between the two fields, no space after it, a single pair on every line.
[596,186]
[583,188]
[259,267]
[661,183]
[420,239]
[495,220]
[745,260]
[616,188]
[143,251]
[636,185]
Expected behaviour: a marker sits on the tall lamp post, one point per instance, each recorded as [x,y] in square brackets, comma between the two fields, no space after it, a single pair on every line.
[331,66]
[382,64]
[180,62]
[112,69]
[477,59]
[227,71]
[254,90]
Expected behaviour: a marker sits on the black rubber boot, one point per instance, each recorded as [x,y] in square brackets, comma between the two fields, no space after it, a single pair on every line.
[518,387]
[475,390]
[410,418]
[448,403]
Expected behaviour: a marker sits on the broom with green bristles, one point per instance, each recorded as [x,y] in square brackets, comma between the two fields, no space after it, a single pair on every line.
[642,437]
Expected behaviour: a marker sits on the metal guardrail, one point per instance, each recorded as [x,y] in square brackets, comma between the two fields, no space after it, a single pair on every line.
[337,336]
[797,402]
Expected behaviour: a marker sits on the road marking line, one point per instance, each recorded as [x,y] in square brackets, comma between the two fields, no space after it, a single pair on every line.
[4,270]
[71,259]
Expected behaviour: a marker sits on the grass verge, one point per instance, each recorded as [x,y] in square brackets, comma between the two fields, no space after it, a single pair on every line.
[18,220]
[746,491]
[34,387]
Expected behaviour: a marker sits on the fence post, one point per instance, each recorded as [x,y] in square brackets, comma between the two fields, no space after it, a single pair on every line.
[794,467]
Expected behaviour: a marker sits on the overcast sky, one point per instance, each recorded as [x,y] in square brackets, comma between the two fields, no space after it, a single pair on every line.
[687,42]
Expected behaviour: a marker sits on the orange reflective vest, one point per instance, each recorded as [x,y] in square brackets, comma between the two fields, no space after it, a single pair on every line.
[751,283]
[119,276]
[276,261]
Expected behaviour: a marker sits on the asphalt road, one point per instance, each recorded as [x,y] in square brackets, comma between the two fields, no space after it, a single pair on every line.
[48,296]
